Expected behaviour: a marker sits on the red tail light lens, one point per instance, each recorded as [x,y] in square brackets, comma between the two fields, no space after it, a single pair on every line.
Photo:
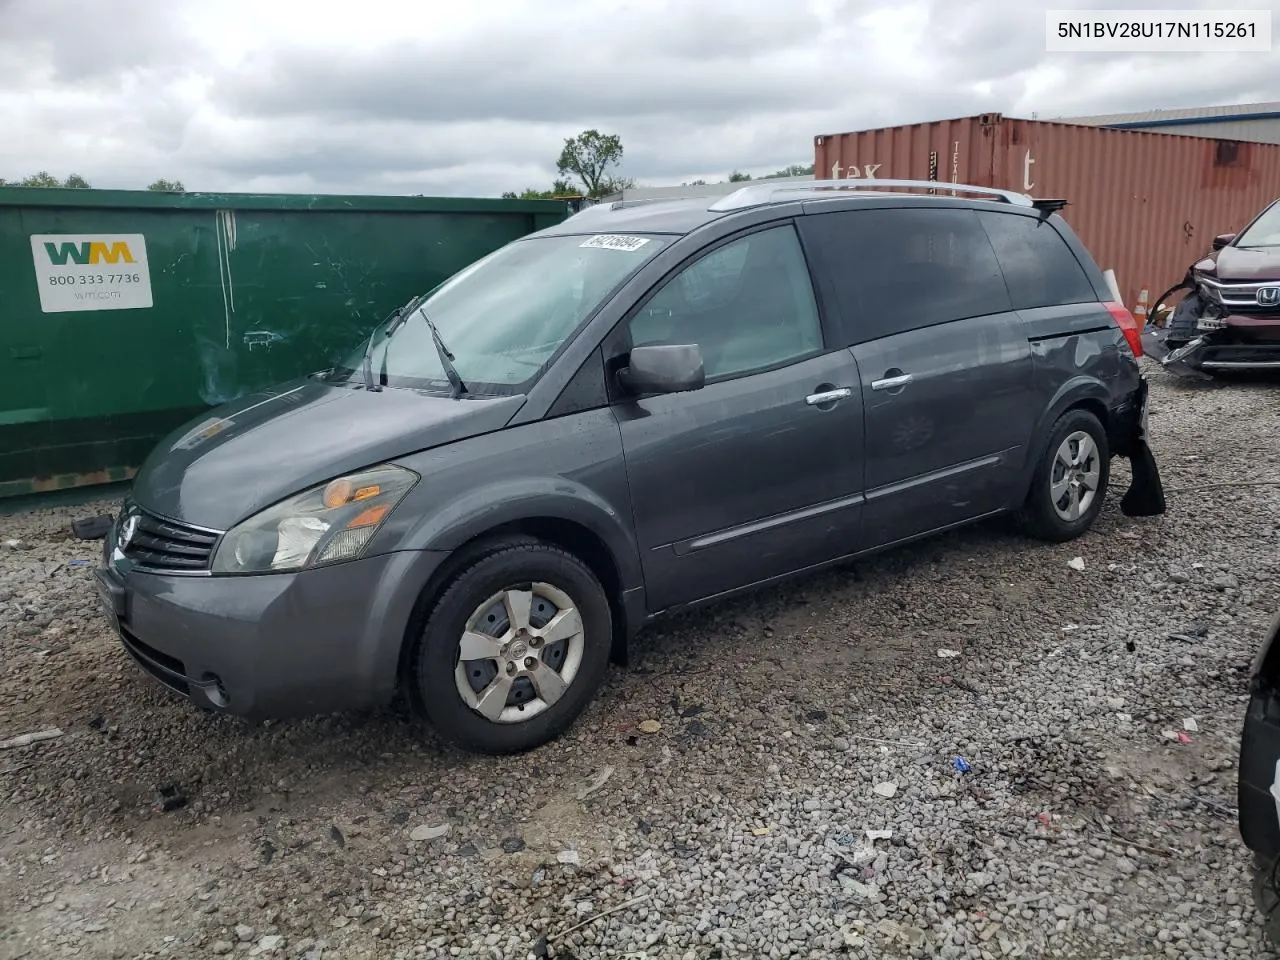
[1128,326]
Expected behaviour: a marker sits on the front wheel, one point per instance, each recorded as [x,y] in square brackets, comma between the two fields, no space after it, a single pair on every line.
[514,651]
[1070,482]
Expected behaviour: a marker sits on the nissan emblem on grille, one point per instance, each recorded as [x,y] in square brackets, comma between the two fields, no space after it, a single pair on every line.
[1268,296]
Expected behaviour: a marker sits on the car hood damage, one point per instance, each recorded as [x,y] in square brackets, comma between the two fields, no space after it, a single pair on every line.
[246,455]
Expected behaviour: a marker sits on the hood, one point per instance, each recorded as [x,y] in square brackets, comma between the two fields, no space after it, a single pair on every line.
[219,469]
[1243,264]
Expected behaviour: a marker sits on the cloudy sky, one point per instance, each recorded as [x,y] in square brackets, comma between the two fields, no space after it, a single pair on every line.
[397,96]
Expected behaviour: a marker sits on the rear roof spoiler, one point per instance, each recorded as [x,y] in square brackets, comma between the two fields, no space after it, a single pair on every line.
[1048,206]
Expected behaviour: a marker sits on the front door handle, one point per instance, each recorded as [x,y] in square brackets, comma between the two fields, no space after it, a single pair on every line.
[828,396]
[891,383]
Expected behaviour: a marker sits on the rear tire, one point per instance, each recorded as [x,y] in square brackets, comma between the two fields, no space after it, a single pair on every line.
[1070,482]
[514,650]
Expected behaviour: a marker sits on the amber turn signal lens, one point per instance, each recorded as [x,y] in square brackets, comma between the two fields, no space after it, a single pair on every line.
[369,518]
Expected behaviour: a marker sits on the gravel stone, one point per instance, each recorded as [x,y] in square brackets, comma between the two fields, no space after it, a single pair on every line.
[1078,832]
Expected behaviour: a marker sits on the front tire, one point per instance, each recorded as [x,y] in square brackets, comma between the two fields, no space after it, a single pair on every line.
[514,650]
[1070,482]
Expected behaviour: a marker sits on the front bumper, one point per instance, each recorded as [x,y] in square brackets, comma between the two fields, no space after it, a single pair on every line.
[1231,347]
[271,645]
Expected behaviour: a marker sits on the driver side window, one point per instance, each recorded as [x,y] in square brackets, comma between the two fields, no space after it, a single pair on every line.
[748,305]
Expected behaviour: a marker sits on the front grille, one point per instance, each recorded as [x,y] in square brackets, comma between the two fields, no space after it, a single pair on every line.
[1243,296]
[160,544]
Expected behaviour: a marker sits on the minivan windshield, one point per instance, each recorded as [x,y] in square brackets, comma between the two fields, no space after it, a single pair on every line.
[504,317]
[1265,231]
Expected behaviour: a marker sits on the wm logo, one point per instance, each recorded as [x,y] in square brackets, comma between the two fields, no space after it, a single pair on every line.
[90,252]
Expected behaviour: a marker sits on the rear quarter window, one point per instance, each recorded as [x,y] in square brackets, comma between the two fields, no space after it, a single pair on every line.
[893,270]
[1039,268]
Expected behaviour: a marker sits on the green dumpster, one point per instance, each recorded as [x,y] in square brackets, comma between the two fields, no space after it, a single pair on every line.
[125,313]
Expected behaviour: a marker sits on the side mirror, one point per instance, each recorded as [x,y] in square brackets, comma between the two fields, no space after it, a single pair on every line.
[665,368]
[1222,239]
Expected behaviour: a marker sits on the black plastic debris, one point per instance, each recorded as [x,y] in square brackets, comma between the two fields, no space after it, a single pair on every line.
[336,836]
[91,528]
[1193,634]
[693,711]
[268,851]
[172,798]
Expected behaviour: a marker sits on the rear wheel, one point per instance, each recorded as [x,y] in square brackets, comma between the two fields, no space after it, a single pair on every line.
[1070,482]
[514,651]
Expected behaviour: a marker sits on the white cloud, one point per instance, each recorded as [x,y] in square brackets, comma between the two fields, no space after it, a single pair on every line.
[388,96]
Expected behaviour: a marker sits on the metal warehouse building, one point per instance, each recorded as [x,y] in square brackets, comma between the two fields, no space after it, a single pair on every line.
[1251,122]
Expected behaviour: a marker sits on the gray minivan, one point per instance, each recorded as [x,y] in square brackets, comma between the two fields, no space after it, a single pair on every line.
[646,407]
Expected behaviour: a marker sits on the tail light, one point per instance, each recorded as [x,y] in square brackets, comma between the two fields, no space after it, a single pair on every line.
[1128,326]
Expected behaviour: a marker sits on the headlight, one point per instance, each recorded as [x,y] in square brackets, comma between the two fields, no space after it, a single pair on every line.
[326,524]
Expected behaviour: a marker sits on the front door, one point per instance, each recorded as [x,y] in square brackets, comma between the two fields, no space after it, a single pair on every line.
[759,473]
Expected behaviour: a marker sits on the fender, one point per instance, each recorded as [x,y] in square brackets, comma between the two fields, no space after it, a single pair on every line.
[1071,393]
[492,505]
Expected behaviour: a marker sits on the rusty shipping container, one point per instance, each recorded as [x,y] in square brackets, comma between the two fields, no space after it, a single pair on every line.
[1147,205]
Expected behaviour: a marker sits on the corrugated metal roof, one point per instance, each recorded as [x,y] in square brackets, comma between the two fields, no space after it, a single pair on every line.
[1178,117]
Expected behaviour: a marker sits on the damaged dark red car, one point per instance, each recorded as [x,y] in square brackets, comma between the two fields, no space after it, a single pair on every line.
[1230,317]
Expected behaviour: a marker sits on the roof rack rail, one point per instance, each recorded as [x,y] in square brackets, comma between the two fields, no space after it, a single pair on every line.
[758,194]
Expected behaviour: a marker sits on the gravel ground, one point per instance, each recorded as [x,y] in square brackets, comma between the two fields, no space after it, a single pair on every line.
[791,724]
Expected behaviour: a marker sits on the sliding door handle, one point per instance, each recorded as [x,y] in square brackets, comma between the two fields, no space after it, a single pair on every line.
[891,383]
[828,396]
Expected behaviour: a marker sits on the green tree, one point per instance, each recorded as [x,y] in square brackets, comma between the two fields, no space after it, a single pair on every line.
[167,186]
[42,179]
[46,179]
[589,157]
[738,176]
[559,188]
[795,170]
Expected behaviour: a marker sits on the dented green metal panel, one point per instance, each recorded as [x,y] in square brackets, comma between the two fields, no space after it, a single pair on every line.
[123,313]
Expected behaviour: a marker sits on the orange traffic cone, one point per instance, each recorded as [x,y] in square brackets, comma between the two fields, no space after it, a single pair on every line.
[1140,311]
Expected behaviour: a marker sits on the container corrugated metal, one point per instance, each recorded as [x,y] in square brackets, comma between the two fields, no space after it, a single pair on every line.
[1146,205]
[125,313]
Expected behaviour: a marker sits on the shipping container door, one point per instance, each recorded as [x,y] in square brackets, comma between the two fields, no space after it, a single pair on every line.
[945,367]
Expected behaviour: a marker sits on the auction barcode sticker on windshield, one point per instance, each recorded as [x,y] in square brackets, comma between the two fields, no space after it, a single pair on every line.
[609,241]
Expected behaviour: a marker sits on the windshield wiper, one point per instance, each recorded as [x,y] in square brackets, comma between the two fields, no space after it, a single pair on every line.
[446,358]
